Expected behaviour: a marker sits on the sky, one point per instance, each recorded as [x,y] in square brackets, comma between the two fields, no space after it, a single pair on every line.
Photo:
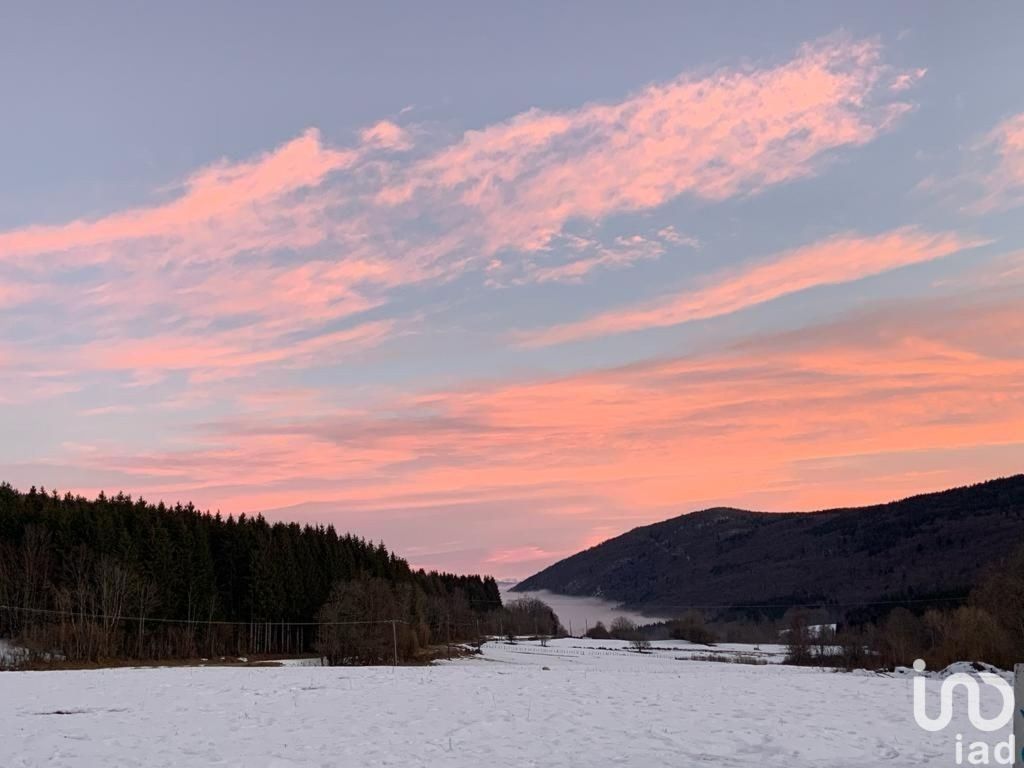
[494,283]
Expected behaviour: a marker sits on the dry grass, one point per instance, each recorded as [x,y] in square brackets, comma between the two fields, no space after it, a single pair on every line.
[734,658]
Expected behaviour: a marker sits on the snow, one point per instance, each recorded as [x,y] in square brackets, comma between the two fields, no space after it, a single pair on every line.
[957,667]
[572,703]
[584,651]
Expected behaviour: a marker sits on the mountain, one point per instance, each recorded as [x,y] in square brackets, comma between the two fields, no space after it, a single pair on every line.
[928,546]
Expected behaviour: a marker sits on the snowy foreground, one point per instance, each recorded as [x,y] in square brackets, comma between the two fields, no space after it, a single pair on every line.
[574,703]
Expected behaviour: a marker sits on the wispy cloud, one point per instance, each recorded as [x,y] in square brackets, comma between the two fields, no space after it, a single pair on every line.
[836,260]
[572,258]
[732,132]
[307,237]
[387,135]
[991,177]
[1004,182]
[224,208]
[224,353]
[907,80]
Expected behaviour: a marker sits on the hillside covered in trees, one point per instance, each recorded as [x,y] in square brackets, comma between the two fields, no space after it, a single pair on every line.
[930,547]
[121,578]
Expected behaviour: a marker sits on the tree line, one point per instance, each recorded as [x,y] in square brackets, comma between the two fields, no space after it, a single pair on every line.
[358,622]
[987,626]
[121,578]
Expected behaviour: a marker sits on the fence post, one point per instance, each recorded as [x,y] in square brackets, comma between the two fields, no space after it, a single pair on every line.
[394,639]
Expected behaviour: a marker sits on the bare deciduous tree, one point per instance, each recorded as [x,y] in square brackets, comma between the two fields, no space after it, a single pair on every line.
[640,644]
[622,628]
[798,639]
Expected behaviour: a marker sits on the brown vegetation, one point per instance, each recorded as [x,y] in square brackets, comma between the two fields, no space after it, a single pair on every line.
[988,627]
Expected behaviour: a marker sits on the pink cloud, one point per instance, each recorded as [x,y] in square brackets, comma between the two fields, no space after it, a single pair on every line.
[992,174]
[106,410]
[584,257]
[294,242]
[226,353]
[907,80]
[13,294]
[515,184]
[523,554]
[671,235]
[732,132]
[839,259]
[387,135]
[217,195]
[1004,183]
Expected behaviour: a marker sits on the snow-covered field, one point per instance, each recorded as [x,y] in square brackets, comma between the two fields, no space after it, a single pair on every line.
[573,703]
[581,651]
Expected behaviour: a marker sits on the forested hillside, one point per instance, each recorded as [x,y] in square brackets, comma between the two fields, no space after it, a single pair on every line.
[117,577]
[933,546]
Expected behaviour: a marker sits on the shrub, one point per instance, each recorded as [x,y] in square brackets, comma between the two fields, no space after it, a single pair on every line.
[640,644]
[690,627]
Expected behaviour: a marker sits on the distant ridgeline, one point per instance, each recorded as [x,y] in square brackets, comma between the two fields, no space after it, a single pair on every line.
[117,577]
[932,547]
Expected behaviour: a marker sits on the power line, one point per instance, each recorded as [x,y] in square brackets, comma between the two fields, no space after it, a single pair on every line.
[204,622]
[818,604]
[82,615]
[214,622]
